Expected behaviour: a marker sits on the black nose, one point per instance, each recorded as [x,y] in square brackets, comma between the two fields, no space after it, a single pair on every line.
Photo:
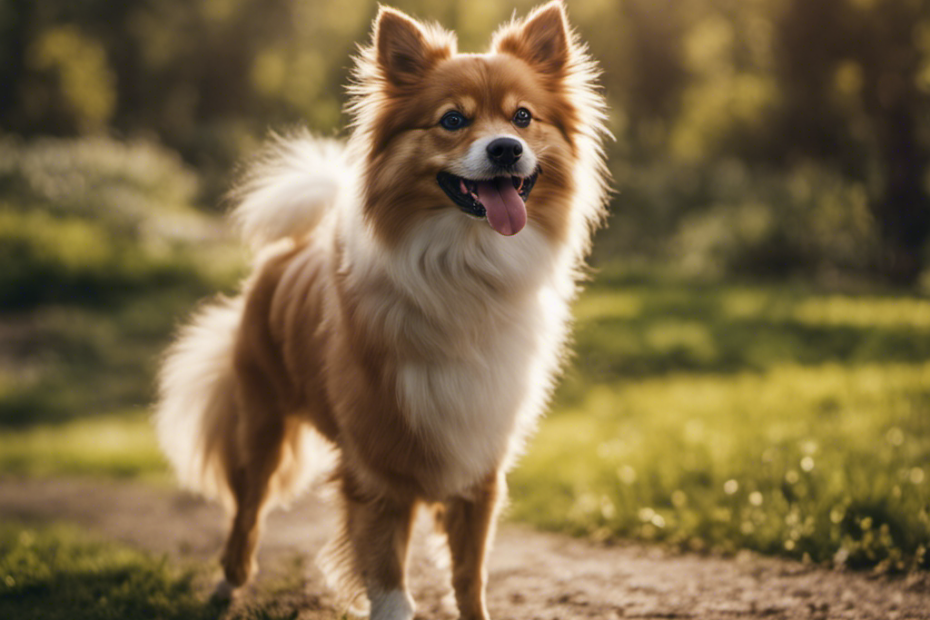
[504,152]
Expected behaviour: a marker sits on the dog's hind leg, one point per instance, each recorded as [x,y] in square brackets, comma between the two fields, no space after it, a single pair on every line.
[261,436]
[469,523]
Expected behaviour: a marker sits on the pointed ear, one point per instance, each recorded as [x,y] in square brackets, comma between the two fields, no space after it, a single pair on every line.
[401,47]
[543,40]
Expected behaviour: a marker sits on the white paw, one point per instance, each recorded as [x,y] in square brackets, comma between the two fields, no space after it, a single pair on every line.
[224,592]
[391,605]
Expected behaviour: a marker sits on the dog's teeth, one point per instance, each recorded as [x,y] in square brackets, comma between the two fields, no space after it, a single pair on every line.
[462,186]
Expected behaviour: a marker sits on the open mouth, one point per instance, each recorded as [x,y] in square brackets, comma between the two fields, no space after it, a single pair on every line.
[501,200]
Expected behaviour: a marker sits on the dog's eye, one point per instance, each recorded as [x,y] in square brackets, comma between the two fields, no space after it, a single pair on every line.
[522,118]
[453,120]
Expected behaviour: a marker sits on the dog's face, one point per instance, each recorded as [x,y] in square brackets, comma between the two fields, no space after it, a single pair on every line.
[490,136]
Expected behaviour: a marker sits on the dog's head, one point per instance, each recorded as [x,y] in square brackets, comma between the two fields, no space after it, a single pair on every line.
[496,137]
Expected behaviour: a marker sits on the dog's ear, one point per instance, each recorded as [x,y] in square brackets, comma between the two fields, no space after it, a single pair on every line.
[402,48]
[543,40]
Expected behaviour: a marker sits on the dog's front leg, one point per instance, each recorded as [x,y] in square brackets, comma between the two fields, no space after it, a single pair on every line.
[470,522]
[379,532]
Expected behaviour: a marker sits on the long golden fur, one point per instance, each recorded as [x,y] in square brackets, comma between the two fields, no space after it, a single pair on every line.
[413,341]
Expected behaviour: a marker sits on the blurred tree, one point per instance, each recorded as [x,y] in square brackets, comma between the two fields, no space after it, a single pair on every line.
[855,78]
[654,69]
[207,78]
[698,89]
[74,67]
[731,92]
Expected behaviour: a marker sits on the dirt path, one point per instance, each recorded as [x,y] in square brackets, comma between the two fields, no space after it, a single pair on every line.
[533,576]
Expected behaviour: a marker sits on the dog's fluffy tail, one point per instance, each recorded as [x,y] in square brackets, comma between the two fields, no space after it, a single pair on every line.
[289,188]
[196,412]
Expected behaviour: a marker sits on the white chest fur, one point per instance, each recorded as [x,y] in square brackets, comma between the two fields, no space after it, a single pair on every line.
[477,409]
[478,328]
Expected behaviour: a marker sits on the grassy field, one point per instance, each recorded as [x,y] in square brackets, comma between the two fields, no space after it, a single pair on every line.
[58,572]
[725,417]
[119,445]
[768,417]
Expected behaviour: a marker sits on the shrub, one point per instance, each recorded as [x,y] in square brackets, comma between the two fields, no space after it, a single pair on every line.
[88,220]
[733,219]
[127,187]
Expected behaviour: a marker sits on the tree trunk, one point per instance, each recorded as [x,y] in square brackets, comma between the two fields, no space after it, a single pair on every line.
[903,210]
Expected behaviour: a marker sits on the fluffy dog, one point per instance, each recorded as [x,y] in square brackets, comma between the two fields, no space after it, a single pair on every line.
[409,302]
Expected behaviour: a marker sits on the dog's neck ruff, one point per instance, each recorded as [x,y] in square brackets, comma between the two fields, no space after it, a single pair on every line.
[451,270]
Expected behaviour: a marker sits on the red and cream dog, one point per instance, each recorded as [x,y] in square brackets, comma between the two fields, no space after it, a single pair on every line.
[409,302]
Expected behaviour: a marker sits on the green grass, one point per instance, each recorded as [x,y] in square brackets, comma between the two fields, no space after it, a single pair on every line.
[58,572]
[726,417]
[120,445]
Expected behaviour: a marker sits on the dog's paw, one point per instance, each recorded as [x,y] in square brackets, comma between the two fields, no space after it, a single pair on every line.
[224,592]
[391,605]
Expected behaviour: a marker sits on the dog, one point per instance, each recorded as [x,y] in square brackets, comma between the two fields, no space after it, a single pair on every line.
[408,305]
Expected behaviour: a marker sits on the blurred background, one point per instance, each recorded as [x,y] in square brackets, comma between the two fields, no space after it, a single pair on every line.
[753,366]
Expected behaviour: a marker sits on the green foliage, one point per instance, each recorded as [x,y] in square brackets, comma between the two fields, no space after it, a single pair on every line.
[728,417]
[77,74]
[830,91]
[50,259]
[99,243]
[134,189]
[64,361]
[95,220]
[733,219]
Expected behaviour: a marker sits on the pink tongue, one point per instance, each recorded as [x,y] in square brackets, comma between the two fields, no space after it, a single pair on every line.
[506,211]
